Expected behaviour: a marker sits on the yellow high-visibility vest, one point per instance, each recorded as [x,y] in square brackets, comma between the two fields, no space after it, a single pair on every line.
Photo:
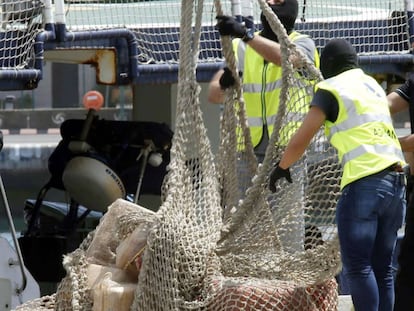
[262,82]
[363,133]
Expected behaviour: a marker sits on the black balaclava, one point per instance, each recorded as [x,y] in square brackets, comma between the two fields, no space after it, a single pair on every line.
[337,56]
[287,13]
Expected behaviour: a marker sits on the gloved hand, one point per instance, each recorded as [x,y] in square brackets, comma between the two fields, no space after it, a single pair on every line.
[226,79]
[228,26]
[276,174]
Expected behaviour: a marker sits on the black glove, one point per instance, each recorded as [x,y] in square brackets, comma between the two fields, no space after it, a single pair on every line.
[228,26]
[276,174]
[226,79]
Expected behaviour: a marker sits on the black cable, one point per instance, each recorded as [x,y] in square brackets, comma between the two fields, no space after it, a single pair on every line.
[303,11]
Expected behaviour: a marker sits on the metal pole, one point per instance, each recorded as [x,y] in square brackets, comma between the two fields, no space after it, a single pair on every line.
[14,236]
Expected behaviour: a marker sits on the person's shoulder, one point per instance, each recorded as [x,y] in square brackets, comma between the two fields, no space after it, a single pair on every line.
[305,43]
[405,90]
[300,35]
[298,32]
[305,37]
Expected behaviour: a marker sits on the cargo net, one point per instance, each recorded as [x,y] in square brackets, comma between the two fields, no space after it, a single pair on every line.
[220,240]
[280,250]
[21,21]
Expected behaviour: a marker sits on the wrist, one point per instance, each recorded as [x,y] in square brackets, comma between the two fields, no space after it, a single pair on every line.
[248,36]
[282,167]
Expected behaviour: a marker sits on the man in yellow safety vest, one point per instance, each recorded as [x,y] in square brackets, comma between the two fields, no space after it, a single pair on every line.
[354,110]
[258,56]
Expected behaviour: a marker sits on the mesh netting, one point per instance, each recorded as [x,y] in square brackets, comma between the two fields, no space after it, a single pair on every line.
[221,240]
[21,21]
[374,27]
[379,30]
[294,227]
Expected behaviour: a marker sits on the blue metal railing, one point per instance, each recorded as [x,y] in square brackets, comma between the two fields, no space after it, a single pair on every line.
[380,51]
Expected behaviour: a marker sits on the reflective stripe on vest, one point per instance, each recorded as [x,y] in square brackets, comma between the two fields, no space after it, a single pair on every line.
[363,134]
[364,149]
[261,90]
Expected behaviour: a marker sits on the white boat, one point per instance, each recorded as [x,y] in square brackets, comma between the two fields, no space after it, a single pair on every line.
[17,285]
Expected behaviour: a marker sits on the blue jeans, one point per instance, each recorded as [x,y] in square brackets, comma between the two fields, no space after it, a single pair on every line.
[369,214]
